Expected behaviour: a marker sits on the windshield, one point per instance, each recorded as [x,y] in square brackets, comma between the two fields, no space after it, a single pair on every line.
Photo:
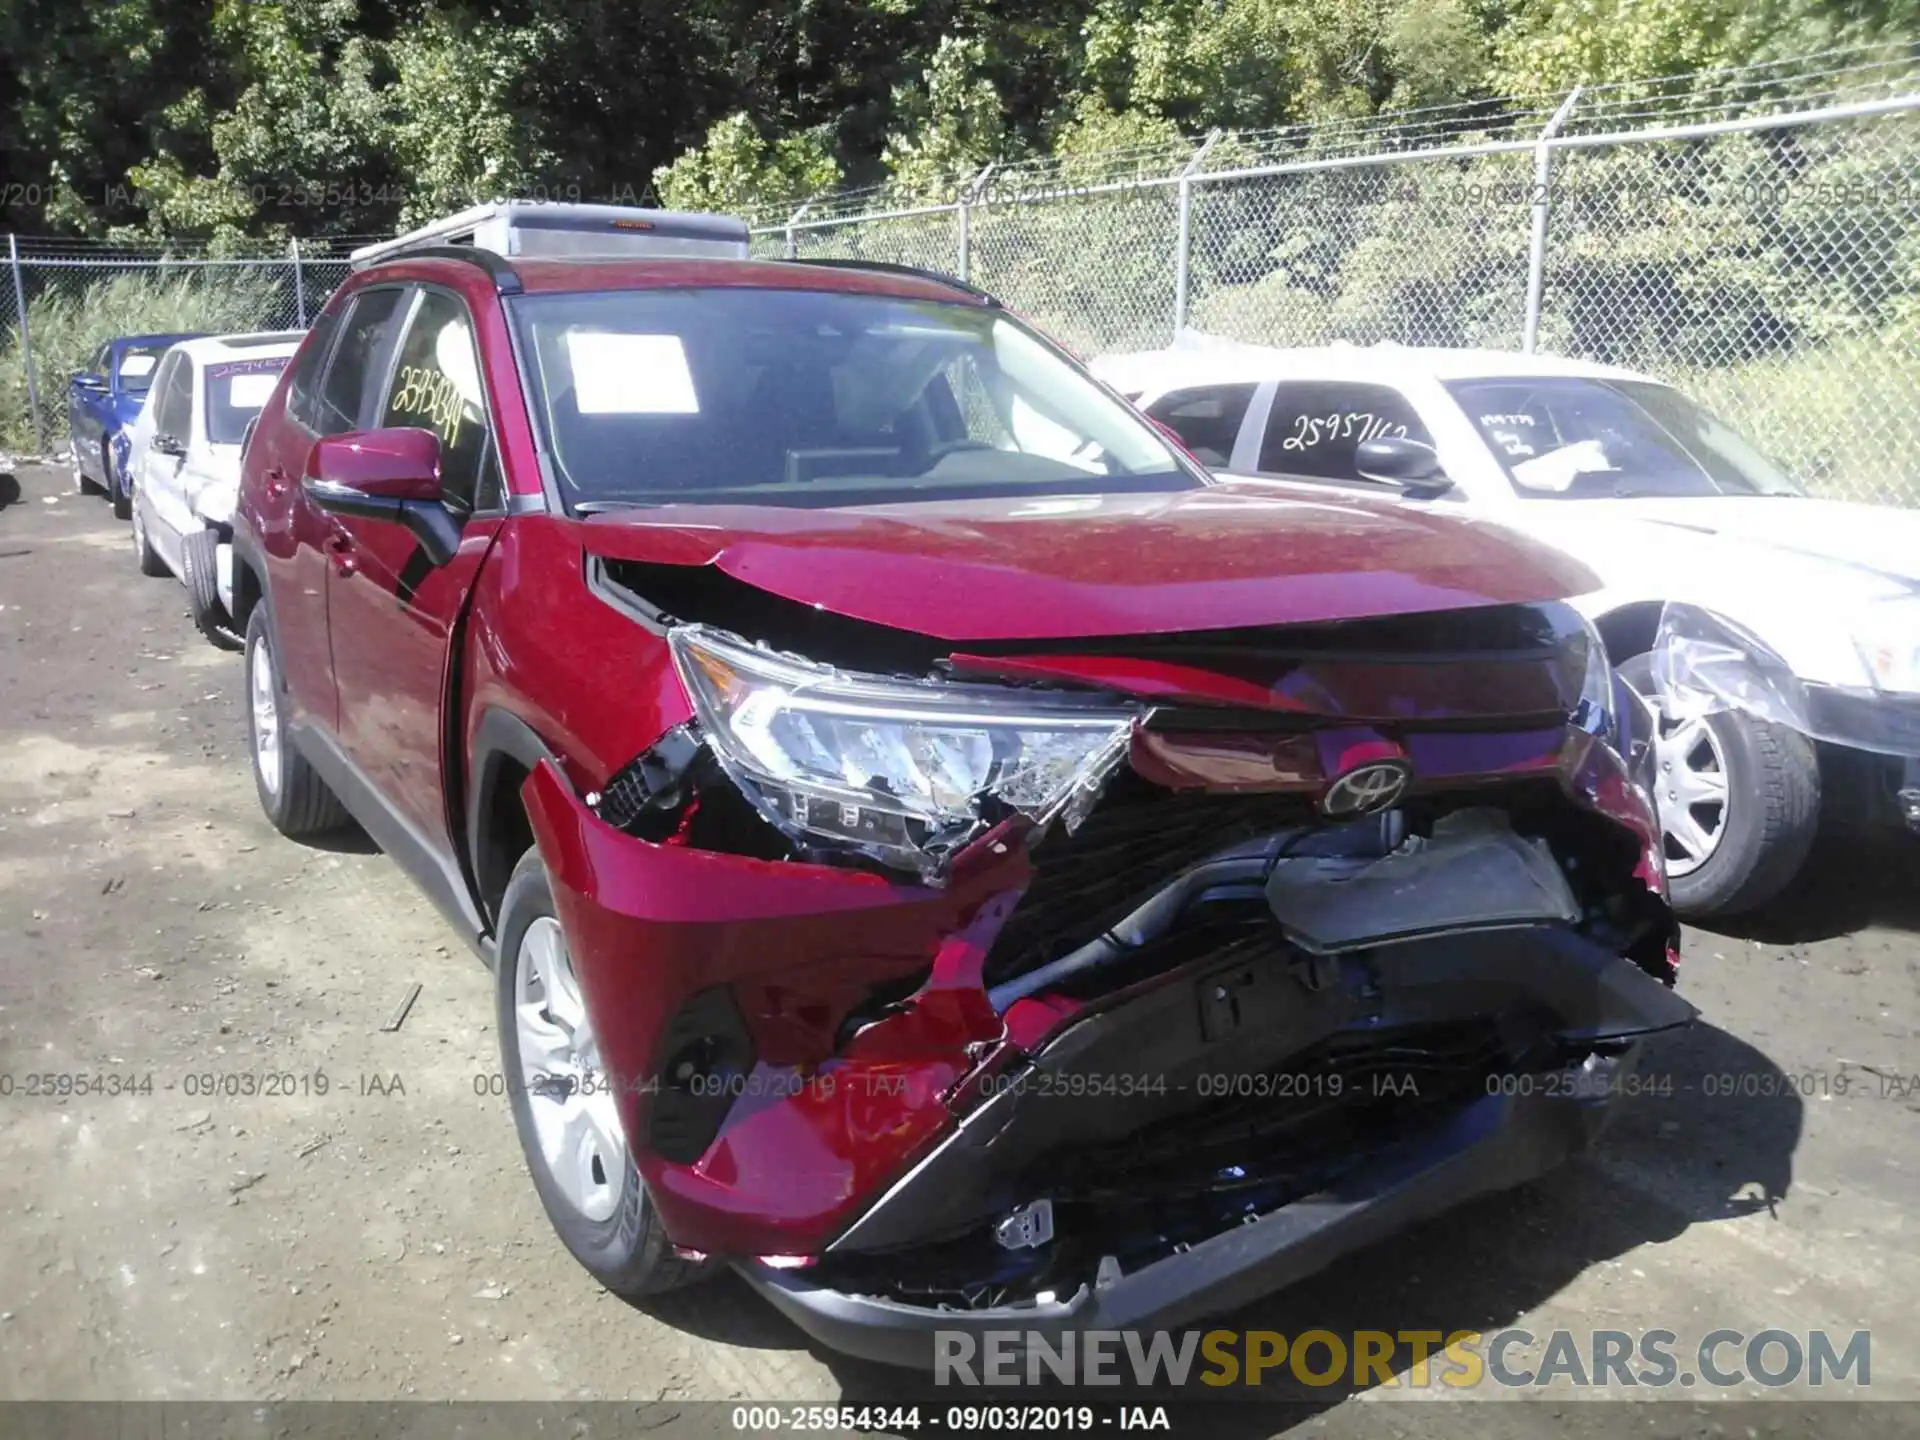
[1577,439]
[236,389]
[137,364]
[793,397]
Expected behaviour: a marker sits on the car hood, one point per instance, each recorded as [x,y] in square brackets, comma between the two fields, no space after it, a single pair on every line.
[1047,566]
[1879,538]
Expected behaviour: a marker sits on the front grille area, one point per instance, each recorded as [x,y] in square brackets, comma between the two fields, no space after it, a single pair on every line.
[1138,838]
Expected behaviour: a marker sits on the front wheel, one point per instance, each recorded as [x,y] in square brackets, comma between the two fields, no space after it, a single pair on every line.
[564,1104]
[1739,802]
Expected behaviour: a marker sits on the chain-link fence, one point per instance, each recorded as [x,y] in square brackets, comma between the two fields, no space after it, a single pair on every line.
[1752,235]
[61,300]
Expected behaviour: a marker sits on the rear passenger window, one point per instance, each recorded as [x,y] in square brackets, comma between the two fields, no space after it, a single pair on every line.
[436,386]
[1316,425]
[303,386]
[1207,418]
[347,395]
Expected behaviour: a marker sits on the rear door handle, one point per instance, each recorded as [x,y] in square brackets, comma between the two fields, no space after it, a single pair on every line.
[340,551]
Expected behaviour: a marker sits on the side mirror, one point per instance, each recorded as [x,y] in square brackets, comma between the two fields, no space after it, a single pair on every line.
[1409,464]
[90,381]
[165,444]
[392,475]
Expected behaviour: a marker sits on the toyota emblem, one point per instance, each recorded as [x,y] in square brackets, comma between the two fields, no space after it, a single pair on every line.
[1365,790]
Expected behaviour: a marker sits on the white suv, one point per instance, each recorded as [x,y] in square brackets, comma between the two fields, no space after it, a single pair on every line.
[183,463]
[1665,504]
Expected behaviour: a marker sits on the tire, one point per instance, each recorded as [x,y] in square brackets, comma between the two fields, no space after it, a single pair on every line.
[291,793]
[83,484]
[148,557]
[200,560]
[626,1249]
[118,489]
[1771,815]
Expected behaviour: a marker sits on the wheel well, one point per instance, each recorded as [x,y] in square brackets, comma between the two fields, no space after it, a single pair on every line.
[246,593]
[505,832]
[1630,630]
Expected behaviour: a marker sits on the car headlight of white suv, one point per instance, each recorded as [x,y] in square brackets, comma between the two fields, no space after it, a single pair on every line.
[1887,636]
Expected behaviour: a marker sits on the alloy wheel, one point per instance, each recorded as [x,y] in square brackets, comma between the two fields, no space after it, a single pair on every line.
[265,702]
[570,1102]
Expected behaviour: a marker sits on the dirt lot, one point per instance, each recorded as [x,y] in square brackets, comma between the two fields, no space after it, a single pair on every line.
[381,1240]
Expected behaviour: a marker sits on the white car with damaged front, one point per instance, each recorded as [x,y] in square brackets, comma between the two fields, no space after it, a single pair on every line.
[1774,619]
[183,463]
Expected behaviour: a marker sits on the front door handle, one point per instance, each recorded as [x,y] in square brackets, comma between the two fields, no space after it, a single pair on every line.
[276,479]
[340,552]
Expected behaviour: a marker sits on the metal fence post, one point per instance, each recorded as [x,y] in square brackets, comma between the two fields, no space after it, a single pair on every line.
[26,344]
[299,285]
[793,241]
[1537,241]
[965,198]
[1183,244]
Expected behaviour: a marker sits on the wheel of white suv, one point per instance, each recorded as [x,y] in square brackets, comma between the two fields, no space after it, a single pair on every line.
[148,558]
[291,793]
[1739,803]
[563,1106]
[200,564]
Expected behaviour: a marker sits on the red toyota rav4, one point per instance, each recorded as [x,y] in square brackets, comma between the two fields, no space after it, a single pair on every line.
[942,853]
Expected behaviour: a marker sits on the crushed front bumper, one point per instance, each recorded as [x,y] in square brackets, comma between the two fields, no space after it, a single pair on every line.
[1497,1142]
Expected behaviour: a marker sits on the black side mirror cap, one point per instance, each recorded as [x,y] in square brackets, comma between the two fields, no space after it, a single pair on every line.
[165,444]
[1409,464]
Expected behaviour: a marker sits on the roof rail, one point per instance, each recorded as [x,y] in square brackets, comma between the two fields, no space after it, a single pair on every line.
[526,228]
[506,279]
[888,267]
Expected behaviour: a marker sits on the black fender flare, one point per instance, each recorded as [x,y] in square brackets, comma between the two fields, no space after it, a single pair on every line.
[246,554]
[500,736]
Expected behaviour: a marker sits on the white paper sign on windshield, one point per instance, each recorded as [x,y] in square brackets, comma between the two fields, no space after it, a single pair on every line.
[250,392]
[621,374]
[132,366]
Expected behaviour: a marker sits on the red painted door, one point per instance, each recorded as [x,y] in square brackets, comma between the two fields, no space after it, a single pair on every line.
[391,613]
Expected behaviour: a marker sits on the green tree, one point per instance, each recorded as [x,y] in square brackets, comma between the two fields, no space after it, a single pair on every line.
[737,170]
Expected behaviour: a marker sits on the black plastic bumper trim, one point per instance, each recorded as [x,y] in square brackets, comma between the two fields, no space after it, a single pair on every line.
[1495,1143]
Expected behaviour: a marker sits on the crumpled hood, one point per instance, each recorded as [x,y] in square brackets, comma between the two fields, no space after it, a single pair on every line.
[1047,566]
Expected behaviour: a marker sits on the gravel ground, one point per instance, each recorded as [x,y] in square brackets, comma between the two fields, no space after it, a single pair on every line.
[191,1240]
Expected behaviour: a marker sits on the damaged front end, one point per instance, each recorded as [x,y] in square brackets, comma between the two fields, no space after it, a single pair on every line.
[1062,990]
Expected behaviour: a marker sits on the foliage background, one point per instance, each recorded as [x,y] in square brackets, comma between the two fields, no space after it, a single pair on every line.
[264,118]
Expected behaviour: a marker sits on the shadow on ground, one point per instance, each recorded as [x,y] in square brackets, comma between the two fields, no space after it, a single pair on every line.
[1848,885]
[1715,1155]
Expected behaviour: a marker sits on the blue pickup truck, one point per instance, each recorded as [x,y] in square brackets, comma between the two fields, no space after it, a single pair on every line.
[102,404]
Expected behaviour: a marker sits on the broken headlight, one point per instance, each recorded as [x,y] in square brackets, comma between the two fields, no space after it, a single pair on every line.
[904,771]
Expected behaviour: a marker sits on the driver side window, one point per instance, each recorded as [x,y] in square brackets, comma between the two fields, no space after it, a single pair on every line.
[436,386]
